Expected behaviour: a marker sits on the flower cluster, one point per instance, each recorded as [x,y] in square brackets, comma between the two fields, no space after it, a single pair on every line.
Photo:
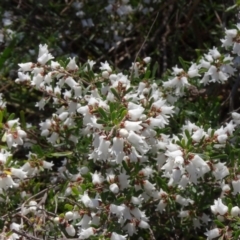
[126,170]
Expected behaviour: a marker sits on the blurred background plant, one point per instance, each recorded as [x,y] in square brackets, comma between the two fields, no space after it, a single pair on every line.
[112,30]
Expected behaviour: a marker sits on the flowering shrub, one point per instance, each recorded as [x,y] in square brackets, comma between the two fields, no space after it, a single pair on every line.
[134,155]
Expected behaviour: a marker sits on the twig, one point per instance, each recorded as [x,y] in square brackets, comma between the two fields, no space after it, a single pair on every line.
[143,44]
[30,237]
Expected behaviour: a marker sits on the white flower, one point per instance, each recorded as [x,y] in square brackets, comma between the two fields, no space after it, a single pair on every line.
[44,55]
[90,63]
[138,142]
[85,199]
[177,83]
[86,233]
[215,53]
[103,149]
[211,234]
[69,215]
[183,213]
[236,117]
[72,64]
[147,60]
[236,186]
[114,188]
[135,114]
[148,186]
[161,205]
[25,66]
[18,173]
[105,66]
[143,224]
[70,230]
[117,147]
[97,178]
[71,82]
[235,211]
[183,201]
[133,126]
[118,210]
[193,71]
[47,165]
[85,221]
[220,171]
[219,207]
[116,236]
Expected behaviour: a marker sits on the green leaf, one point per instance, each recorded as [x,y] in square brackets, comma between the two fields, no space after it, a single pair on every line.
[187,134]
[128,90]
[102,113]
[125,166]
[22,118]
[38,150]
[231,8]
[75,191]
[219,224]
[1,116]
[68,207]
[147,74]
[99,121]
[230,206]
[6,53]
[155,68]
[11,116]
[115,93]
[61,154]
[122,112]
[104,196]
[220,156]
[184,66]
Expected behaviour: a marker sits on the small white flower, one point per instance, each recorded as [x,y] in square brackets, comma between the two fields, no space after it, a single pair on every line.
[25,66]
[219,207]
[72,64]
[105,66]
[70,230]
[236,186]
[116,236]
[211,234]
[147,60]
[86,233]
[44,56]
[235,211]
[114,188]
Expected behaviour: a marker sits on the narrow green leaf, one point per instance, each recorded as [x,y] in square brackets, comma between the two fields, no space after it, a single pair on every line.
[187,134]
[184,66]
[126,167]
[1,116]
[61,154]
[231,8]
[147,74]
[128,90]
[102,113]
[230,206]
[99,121]
[6,53]
[115,93]
[11,116]
[155,69]
[22,118]
[219,224]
